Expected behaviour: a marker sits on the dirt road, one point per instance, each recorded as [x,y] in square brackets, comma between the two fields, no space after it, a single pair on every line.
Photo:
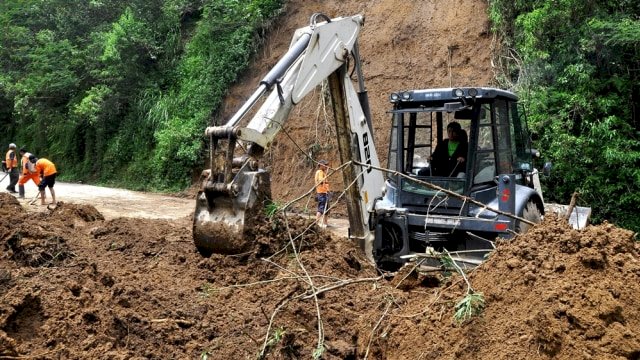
[111,202]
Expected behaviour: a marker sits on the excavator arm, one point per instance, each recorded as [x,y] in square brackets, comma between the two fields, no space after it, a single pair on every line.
[235,188]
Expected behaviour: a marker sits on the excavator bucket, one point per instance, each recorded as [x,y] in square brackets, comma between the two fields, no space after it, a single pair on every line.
[223,218]
[230,202]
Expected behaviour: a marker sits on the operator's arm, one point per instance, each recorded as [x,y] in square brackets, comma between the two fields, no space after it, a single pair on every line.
[461,151]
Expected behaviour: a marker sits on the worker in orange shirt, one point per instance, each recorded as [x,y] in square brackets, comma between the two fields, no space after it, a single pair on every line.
[322,193]
[47,171]
[28,172]
[11,164]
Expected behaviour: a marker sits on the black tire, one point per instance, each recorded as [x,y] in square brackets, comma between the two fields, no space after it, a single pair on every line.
[532,213]
[386,258]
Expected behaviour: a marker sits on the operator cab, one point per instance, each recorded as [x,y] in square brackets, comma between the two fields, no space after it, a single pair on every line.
[497,143]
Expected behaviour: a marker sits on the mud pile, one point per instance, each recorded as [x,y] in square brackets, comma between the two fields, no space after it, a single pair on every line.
[78,287]
[551,293]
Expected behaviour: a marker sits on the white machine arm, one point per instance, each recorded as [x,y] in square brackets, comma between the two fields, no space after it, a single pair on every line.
[318,52]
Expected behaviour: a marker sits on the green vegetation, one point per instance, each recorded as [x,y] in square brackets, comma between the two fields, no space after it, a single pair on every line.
[120,91]
[576,65]
[271,208]
[276,337]
[318,352]
[204,355]
[471,305]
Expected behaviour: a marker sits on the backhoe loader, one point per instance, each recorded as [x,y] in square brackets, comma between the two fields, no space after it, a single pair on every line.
[406,208]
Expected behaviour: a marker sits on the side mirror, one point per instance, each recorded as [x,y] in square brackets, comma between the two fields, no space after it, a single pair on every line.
[546,169]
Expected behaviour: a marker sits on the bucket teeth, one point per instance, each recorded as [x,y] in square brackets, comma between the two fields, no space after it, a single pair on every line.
[223,220]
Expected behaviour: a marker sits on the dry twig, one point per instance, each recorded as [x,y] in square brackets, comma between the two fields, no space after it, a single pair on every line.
[373,331]
[340,284]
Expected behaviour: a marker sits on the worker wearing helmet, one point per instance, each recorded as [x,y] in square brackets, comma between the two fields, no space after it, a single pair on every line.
[11,164]
[47,171]
[28,172]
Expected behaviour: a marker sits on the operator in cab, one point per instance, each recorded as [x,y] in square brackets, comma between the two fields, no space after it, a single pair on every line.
[448,159]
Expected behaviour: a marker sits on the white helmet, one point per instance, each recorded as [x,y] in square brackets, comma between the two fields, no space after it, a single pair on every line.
[12,146]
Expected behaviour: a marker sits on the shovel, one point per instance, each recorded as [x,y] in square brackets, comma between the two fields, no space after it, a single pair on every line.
[5,175]
[34,199]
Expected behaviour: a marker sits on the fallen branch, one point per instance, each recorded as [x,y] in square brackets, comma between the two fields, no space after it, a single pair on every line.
[256,283]
[373,331]
[266,337]
[418,263]
[320,346]
[294,275]
[572,205]
[340,284]
[448,192]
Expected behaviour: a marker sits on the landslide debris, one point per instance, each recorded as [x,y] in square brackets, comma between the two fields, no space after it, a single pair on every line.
[137,288]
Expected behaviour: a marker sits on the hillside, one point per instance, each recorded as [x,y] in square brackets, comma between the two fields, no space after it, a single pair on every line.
[402,47]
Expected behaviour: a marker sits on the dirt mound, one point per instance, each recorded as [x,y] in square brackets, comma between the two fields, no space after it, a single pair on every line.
[10,204]
[137,288]
[40,239]
[552,293]
[565,293]
[75,212]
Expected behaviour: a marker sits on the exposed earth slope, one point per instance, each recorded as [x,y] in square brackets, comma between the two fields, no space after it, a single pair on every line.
[403,45]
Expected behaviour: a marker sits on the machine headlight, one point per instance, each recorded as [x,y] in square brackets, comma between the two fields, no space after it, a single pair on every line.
[406,96]
[458,92]
[472,92]
[394,97]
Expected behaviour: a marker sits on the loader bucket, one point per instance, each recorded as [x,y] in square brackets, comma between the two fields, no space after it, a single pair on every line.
[222,220]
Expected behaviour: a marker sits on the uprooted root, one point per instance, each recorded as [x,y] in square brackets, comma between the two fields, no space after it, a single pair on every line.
[48,252]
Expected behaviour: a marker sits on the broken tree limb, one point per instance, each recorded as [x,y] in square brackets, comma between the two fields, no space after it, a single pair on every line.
[340,284]
[448,192]
[572,205]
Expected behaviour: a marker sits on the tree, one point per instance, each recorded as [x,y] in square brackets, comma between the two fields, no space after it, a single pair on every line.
[578,74]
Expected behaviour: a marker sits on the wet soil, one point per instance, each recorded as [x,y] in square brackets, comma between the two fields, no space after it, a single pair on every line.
[76,286]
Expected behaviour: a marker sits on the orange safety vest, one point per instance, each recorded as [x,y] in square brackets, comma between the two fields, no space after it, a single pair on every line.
[10,159]
[322,185]
[27,166]
[45,167]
